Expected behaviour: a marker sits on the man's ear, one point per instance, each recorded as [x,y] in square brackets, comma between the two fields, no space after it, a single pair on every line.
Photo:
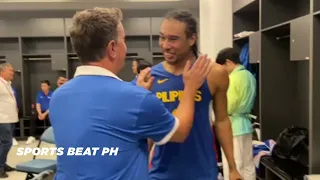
[111,49]
[228,61]
[192,40]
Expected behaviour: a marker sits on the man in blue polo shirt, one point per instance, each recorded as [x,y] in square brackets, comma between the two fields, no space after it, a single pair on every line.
[108,120]
[42,107]
[43,100]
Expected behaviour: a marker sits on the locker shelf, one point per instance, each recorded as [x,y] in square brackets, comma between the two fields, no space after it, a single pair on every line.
[275,12]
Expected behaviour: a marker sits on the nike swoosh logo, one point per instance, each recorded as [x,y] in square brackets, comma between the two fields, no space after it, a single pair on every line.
[160,81]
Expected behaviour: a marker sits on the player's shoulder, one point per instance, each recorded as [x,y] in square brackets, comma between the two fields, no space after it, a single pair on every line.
[157,68]
[217,72]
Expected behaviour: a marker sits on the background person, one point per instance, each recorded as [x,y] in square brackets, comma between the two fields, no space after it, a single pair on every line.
[42,108]
[135,64]
[61,81]
[8,116]
[139,64]
[241,95]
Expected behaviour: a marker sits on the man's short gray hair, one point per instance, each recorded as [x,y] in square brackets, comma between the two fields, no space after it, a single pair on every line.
[3,66]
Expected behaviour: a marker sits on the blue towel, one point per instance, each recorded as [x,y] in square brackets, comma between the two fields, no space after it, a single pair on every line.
[244,58]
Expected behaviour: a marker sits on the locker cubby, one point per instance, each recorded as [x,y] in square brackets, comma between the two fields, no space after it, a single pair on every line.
[315,133]
[247,18]
[17,132]
[255,69]
[36,69]
[42,45]
[274,12]
[2,59]
[316,5]
[138,42]
[73,63]
[286,81]
[9,45]
[157,58]
[155,44]
[238,43]
[70,49]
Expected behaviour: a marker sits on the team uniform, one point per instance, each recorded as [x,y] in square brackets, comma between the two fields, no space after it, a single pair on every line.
[194,159]
[44,100]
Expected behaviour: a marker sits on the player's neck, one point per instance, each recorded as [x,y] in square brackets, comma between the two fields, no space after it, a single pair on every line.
[177,69]
[106,65]
[46,92]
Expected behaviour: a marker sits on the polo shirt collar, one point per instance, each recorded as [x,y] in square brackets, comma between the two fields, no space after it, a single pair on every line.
[94,71]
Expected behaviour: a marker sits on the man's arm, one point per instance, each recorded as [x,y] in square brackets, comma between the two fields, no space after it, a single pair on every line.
[46,113]
[38,105]
[222,121]
[158,124]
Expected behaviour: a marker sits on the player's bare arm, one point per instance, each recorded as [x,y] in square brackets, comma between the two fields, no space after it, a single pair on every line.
[218,80]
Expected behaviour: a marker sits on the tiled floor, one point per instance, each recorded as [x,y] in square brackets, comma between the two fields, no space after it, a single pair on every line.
[14,159]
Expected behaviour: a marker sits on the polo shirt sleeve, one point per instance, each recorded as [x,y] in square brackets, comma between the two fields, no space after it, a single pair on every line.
[155,121]
[38,98]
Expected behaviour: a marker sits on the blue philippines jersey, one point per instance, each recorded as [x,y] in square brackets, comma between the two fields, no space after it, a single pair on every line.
[195,158]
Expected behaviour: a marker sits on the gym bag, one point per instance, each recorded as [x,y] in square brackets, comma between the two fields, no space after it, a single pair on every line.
[293,144]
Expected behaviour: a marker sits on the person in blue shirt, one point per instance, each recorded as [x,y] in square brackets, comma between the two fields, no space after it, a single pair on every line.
[138,65]
[109,120]
[43,100]
[194,159]
[42,107]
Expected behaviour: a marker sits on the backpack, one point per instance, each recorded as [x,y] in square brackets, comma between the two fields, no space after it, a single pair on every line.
[293,144]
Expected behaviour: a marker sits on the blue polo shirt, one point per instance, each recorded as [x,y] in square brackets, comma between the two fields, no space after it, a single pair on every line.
[97,110]
[44,100]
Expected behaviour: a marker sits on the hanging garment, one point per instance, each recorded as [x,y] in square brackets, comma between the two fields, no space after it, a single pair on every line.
[244,59]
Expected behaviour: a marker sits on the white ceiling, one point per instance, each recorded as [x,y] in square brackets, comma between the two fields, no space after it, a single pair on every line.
[31,5]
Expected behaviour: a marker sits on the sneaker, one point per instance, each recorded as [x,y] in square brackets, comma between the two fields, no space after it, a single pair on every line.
[8,168]
[14,142]
[30,140]
[3,174]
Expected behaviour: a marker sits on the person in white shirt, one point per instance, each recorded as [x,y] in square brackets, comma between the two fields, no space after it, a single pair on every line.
[8,116]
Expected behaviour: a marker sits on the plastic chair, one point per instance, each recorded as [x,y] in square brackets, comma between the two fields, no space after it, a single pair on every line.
[37,166]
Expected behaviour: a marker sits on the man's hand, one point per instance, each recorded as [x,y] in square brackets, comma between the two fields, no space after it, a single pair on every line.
[235,175]
[144,79]
[61,81]
[41,116]
[195,76]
